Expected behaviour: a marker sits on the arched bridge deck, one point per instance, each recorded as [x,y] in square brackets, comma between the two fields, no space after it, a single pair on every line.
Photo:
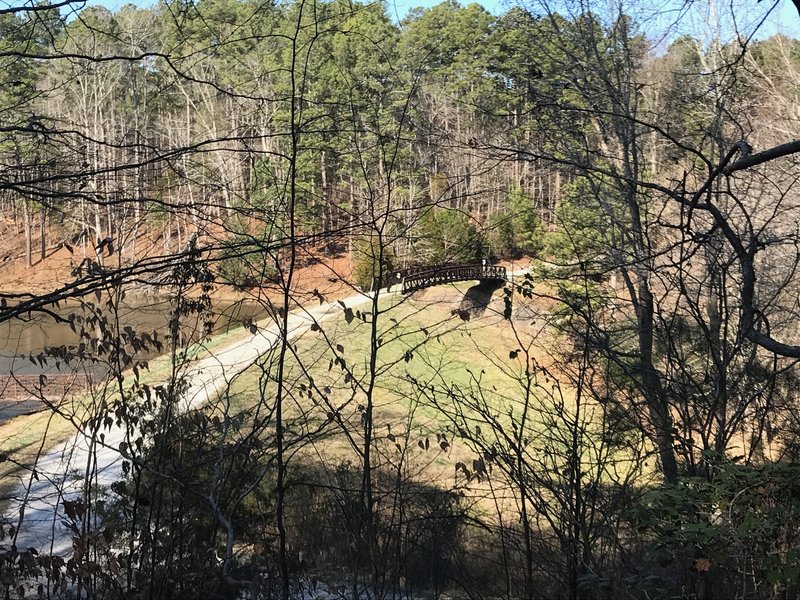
[417,278]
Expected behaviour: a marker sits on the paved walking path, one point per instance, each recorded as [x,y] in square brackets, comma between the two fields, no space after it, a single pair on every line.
[62,470]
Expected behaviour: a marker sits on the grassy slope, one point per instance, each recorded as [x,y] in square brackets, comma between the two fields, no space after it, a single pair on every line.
[442,350]
[474,356]
[420,338]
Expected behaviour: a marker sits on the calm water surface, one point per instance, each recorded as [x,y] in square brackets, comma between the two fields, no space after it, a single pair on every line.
[19,339]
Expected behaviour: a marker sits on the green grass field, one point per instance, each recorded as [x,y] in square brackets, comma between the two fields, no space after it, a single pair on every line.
[422,343]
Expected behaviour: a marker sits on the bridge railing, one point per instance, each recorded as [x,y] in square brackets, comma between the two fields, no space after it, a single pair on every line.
[421,277]
[52,385]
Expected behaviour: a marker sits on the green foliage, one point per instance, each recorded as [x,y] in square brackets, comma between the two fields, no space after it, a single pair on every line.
[204,454]
[26,33]
[331,117]
[528,59]
[243,263]
[450,40]
[518,229]
[371,262]
[444,236]
[739,519]
[582,225]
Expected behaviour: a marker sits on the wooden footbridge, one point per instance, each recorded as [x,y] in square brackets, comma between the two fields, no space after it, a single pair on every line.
[417,278]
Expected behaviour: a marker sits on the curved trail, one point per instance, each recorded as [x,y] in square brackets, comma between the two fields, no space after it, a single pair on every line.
[63,469]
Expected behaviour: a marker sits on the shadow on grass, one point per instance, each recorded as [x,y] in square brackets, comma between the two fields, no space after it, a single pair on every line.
[477,298]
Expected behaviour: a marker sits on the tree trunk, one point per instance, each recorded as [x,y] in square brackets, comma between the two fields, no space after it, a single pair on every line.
[42,231]
[654,394]
[27,212]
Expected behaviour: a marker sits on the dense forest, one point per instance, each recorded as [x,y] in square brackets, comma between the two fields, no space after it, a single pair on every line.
[619,420]
[188,120]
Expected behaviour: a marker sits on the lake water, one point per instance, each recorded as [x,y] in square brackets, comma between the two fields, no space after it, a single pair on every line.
[19,339]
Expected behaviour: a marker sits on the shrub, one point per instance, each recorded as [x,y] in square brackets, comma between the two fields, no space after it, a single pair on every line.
[243,263]
[326,519]
[369,263]
[583,226]
[735,531]
[445,235]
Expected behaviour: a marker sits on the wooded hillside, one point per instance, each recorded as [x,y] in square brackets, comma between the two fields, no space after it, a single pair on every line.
[620,420]
[209,119]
